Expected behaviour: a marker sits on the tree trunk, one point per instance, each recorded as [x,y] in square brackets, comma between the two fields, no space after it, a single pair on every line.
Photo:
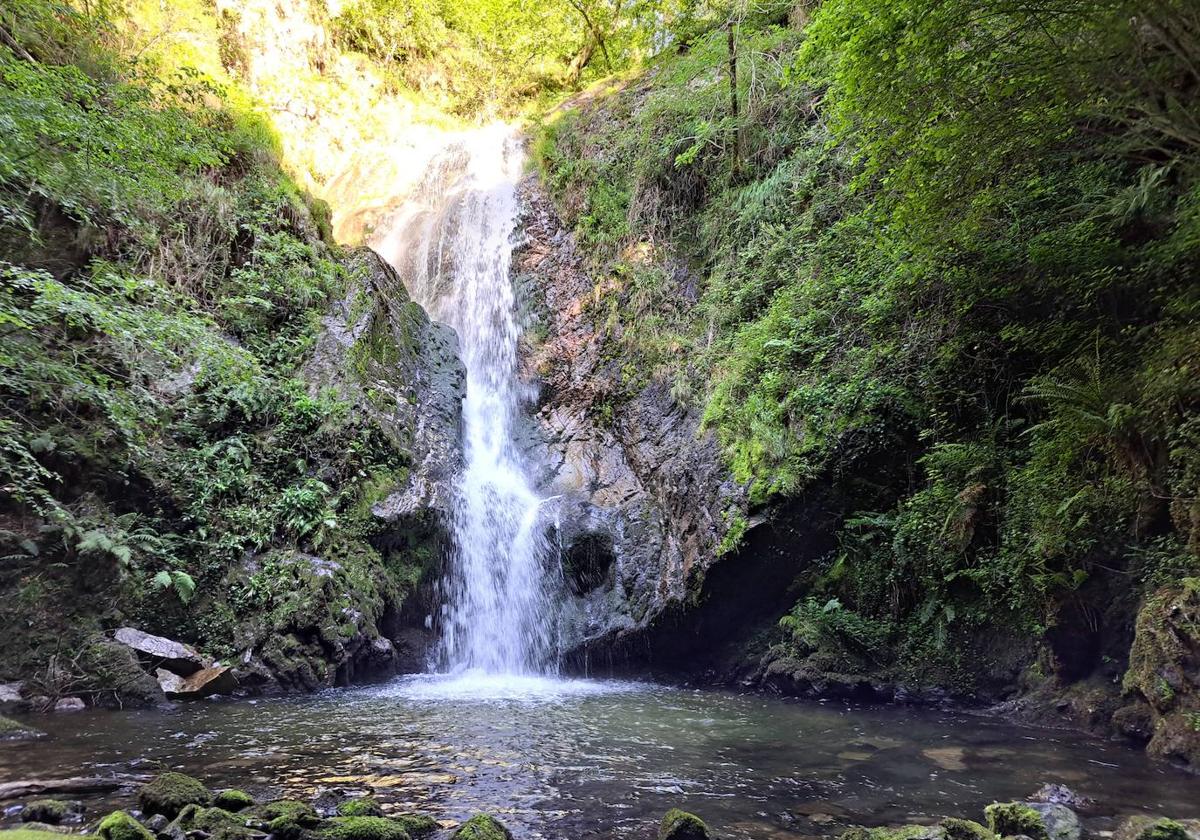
[733,100]
[580,62]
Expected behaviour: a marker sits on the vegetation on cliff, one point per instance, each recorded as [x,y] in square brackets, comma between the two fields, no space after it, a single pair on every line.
[161,285]
[941,259]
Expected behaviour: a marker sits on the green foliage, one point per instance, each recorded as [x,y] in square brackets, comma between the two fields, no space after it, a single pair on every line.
[941,273]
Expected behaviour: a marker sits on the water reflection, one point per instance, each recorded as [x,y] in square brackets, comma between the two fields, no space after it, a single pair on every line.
[599,759]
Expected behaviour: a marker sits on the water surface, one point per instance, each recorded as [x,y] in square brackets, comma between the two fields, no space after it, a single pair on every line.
[578,758]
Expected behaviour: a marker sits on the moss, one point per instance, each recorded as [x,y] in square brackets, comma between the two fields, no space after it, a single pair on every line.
[170,793]
[233,800]
[957,829]
[680,825]
[217,823]
[365,807]
[482,827]
[1009,819]
[33,834]
[418,825]
[903,832]
[1164,830]
[120,826]
[364,828]
[299,812]
[49,811]
[11,730]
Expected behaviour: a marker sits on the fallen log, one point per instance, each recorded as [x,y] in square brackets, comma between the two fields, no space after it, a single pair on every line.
[78,784]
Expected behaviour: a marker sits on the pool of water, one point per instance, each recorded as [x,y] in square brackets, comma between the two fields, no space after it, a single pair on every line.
[580,758]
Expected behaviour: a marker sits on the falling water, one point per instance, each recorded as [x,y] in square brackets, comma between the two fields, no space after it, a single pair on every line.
[452,244]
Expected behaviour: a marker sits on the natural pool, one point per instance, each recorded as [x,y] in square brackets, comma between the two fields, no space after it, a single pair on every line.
[580,758]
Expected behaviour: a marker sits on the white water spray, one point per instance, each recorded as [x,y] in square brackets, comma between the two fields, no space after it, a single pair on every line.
[452,245]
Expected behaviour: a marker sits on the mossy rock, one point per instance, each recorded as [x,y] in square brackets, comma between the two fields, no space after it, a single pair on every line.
[292,809]
[170,793]
[49,811]
[120,826]
[956,829]
[363,828]
[1141,827]
[11,730]
[233,800]
[217,823]
[482,827]
[902,832]
[680,825]
[35,834]
[1009,819]
[418,825]
[364,807]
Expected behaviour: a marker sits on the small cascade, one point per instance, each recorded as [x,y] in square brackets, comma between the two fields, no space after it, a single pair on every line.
[452,244]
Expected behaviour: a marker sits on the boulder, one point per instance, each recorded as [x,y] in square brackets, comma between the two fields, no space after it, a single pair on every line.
[364,828]
[680,825]
[10,730]
[219,679]
[170,793]
[175,657]
[482,827]
[1037,820]
[50,811]
[1141,827]
[70,704]
[120,826]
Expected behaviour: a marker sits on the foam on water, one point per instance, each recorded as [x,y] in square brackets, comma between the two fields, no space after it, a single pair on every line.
[519,688]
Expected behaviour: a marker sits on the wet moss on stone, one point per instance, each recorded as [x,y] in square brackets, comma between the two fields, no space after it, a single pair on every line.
[35,834]
[11,730]
[956,829]
[49,811]
[680,825]
[170,793]
[120,826]
[364,807]
[418,825]
[482,827]
[1010,819]
[1164,830]
[363,828]
[233,800]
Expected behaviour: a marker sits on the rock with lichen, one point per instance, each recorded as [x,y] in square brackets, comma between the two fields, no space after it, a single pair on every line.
[680,825]
[482,827]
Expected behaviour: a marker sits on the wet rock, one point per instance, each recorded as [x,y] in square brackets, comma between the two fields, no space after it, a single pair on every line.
[1057,794]
[161,652]
[170,793]
[120,826]
[482,827]
[70,704]
[196,821]
[680,825]
[156,823]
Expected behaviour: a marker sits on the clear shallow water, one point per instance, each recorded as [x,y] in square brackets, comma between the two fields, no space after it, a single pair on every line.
[579,758]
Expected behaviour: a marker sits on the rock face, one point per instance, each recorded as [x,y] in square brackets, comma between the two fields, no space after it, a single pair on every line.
[1163,680]
[642,499]
[219,679]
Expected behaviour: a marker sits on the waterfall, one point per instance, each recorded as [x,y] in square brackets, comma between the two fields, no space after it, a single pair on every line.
[452,243]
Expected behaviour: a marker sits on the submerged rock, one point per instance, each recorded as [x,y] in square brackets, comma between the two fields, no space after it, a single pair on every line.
[680,825]
[170,793]
[11,730]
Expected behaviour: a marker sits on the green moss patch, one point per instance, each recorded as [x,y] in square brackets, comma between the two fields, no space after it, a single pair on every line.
[120,826]
[170,793]
[364,828]
[680,825]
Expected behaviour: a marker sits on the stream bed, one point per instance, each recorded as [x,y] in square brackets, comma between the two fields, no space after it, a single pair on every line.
[582,758]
